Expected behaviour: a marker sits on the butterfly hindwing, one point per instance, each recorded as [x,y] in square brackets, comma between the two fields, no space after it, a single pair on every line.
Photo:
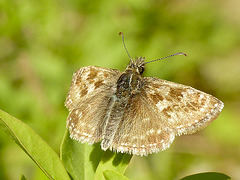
[142,131]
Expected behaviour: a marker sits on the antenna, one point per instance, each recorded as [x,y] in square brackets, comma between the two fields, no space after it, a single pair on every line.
[121,34]
[180,53]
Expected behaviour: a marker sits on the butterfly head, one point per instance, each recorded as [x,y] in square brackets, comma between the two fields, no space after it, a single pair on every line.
[137,65]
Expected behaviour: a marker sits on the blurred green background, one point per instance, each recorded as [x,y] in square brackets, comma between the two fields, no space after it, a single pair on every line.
[43,42]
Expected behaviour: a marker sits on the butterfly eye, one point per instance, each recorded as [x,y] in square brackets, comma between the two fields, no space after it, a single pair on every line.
[140,69]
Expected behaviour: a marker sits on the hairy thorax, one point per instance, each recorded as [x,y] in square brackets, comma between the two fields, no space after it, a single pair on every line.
[130,82]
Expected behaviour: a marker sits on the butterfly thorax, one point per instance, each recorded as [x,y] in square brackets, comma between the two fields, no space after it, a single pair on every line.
[130,82]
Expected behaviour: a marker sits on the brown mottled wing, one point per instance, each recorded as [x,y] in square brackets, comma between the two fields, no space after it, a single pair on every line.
[184,108]
[87,101]
[142,131]
[162,110]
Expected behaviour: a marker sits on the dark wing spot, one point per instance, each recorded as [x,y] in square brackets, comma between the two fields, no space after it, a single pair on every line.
[203,101]
[92,74]
[105,75]
[78,80]
[156,98]
[176,93]
[165,111]
[98,84]
[83,92]
[156,85]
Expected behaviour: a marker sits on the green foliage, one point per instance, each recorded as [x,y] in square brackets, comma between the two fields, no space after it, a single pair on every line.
[36,148]
[114,162]
[22,177]
[111,174]
[80,160]
[207,176]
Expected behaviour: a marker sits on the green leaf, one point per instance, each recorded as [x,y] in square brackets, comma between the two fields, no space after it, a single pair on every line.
[34,146]
[111,174]
[22,177]
[84,161]
[80,159]
[207,176]
[112,161]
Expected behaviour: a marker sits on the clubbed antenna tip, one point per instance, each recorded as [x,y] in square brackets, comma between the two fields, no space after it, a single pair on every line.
[181,53]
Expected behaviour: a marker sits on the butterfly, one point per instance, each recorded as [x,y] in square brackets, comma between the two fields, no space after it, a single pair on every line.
[129,113]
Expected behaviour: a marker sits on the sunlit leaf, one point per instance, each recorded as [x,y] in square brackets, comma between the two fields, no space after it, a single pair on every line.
[22,177]
[111,174]
[80,159]
[207,176]
[112,161]
[34,146]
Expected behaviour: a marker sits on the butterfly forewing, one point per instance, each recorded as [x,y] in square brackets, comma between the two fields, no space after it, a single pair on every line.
[185,109]
[87,101]
[88,81]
